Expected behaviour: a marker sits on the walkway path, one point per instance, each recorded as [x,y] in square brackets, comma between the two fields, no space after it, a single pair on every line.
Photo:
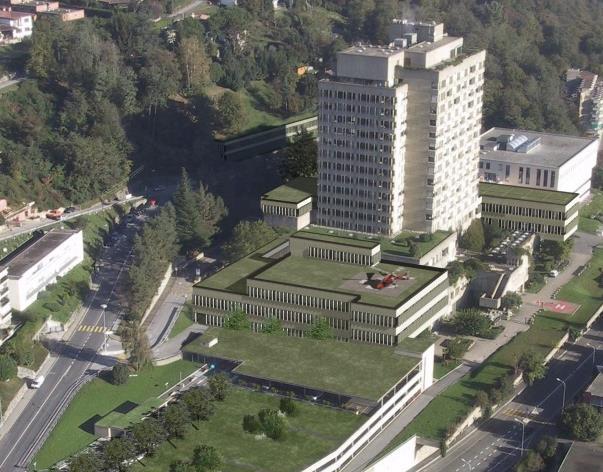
[391,431]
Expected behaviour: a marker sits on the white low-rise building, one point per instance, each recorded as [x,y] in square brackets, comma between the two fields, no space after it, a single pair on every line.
[31,269]
[538,160]
[5,307]
[15,25]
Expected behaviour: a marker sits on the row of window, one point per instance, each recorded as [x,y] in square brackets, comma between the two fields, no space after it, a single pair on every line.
[373,319]
[358,133]
[374,338]
[335,213]
[358,97]
[352,156]
[355,183]
[278,210]
[290,316]
[515,210]
[357,121]
[339,256]
[359,226]
[354,144]
[355,204]
[526,226]
[297,299]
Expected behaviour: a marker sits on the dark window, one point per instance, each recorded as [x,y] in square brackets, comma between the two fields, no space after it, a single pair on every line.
[507,171]
[527,175]
[521,175]
[538,176]
[552,179]
[545,178]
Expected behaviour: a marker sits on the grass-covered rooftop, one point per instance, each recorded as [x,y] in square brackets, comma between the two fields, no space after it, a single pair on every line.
[349,279]
[527,194]
[233,277]
[328,235]
[356,370]
[295,191]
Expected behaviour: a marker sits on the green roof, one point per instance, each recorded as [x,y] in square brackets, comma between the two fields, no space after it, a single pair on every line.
[526,194]
[328,235]
[116,419]
[348,279]
[233,277]
[358,370]
[295,191]
[400,245]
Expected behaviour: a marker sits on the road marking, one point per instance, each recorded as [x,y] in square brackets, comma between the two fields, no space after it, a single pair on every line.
[91,329]
[49,396]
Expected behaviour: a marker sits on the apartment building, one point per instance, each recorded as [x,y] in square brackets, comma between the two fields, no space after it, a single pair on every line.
[315,275]
[399,134]
[538,160]
[37,264]
[5,307]
[585,89]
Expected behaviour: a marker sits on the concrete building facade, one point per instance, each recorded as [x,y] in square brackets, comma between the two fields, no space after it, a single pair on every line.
[551,214]
[315,276]
[399,135]
[538,160]
[35,266]
[585,89]
[5,307]
[15,25]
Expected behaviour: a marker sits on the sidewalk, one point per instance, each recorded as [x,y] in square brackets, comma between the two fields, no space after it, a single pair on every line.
[364,457]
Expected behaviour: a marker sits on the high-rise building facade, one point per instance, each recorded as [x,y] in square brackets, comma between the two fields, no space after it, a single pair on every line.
[399,130]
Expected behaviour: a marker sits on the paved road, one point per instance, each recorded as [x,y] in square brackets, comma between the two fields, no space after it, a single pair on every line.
[496,445]
[74,361]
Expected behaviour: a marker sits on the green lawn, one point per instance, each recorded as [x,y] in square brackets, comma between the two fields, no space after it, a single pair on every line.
[8,390]
[528,194]
[97,399]
[440,369]
[589,212]
[365,371]
[311,435]
[185,319]
[401,244]
[548,329]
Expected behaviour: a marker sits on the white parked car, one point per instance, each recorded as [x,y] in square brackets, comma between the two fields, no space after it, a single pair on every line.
[553,273]
[37,382]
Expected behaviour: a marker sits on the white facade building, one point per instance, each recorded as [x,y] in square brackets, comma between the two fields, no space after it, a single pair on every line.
[538,160]
[39,264]
[399,135]
[15,25]
[5,307]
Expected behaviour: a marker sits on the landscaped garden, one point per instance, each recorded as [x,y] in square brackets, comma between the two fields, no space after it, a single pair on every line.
[311,434]
[453,404]
[98,398]
[591,213]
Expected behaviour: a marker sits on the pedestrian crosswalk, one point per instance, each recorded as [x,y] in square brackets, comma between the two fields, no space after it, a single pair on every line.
[91,329]
[520,412]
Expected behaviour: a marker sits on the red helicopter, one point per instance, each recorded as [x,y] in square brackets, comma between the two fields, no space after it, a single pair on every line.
[390,279]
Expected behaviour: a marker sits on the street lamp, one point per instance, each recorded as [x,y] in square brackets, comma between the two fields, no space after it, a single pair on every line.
[563,403]
[594,352]
[104,307]
[523,430]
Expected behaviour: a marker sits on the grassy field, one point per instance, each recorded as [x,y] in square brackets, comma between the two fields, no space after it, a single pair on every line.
[440,369]
[9,245]
[98,398]
[457,400]
[587,222]
[361,370]
[8,390]
[311,435]
[185,319]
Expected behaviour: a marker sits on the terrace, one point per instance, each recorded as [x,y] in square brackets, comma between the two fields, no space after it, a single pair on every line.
[350,279]
[295,191]
[356,370]
[526,194]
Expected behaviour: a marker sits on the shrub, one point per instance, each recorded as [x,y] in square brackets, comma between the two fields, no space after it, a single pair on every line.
[8,367]
[218,387]
[473,239]
[119,374]
[273,425]
[251,424]
[288,406]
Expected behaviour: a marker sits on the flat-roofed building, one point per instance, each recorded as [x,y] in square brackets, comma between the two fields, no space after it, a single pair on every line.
[594,392]
[313,276]
[538,160]
[291,204]
[38,263]
[549,213]
[399,134]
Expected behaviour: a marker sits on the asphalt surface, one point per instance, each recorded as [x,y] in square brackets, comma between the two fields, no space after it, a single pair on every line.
[78,359]
[496,446]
